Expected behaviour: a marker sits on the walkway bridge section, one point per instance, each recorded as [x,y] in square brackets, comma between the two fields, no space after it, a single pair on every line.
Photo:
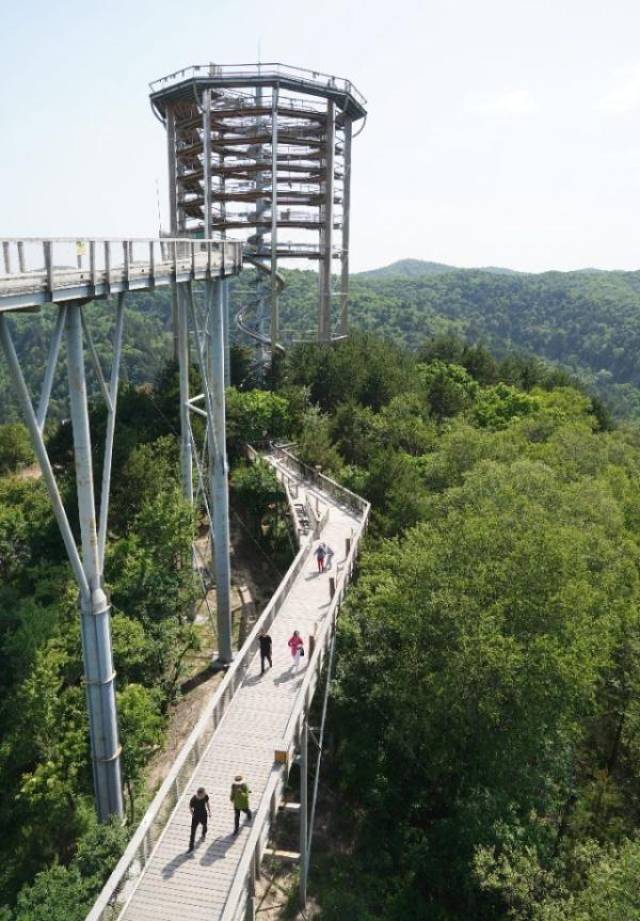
[62,277]
[36,271]
[253,725]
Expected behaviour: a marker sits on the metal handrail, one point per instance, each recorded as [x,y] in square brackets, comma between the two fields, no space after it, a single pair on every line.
[19,254]
[337,490]
[245,875]
[315,77]
[36,270]
[140,848]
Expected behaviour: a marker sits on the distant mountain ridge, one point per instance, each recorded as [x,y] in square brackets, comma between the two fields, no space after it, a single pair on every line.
[417,268]
[414,268]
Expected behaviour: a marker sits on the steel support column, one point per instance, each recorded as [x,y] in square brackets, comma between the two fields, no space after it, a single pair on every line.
[275,307]
[218,472]
[226,295]
[304,792]
[173,173]
[206,161]
[173,209]
[346,208]
[324,326]
[94,607]
[186,461]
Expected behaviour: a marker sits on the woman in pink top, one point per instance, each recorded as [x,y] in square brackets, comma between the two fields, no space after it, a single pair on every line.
[296,645]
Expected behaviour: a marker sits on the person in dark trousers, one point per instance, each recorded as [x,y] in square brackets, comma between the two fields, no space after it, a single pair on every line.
[200,810]
[328,556]
[265,650]
[240,799]
[320,554]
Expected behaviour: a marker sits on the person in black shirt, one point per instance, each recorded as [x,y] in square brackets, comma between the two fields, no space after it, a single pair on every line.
[200,810]
[265,650]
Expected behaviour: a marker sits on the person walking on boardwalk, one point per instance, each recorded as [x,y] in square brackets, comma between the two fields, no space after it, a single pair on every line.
[265,650]
[296,645]
[240,799]
[328,556]
[200,809]
[320,554]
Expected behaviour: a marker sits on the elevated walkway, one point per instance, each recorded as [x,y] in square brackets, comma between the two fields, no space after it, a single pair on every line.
[253,725]
[35,271]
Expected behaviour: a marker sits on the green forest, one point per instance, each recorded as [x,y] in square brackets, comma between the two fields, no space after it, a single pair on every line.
[585,322]
[54,856]
[485,745]
[486,702]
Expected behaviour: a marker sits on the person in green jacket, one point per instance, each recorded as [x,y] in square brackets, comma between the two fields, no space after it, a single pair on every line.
[240,799]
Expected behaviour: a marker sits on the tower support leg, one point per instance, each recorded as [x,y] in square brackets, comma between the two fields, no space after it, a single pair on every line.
[94,607]
[186,461]
[218,471]
[226,294]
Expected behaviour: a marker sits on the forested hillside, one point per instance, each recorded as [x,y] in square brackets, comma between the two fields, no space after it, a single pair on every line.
[486,718]
[588,322]
[486,758]
[54,857]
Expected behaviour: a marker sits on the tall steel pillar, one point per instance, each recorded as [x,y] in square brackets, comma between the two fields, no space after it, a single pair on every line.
[173,211]
[206,162]
[184,363]
[304,809]
[346,208]
[88,569]
[218,471]
[324,325]
[226,295]
[275,308]
[94,607]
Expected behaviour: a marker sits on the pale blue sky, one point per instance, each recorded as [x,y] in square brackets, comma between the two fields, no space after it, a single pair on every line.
[503,132]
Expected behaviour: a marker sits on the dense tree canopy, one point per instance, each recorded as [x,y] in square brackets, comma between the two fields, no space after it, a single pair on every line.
[486,717]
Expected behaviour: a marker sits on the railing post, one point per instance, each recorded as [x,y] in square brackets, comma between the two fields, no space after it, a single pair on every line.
[92,264]
[256,860]
[152,265]
[107,266]
[48,264]
[125,262]
[6,252]
[304,738]
[250,909]
[21,265]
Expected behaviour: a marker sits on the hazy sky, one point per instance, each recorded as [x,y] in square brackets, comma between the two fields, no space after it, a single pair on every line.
[502,132]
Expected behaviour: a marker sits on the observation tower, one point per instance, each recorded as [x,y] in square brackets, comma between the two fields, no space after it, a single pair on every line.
[262,152]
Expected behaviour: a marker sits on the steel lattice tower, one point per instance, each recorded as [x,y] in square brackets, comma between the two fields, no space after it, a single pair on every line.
[263,152]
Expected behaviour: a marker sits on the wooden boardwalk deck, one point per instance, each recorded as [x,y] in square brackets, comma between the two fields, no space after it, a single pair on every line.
[180,886]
